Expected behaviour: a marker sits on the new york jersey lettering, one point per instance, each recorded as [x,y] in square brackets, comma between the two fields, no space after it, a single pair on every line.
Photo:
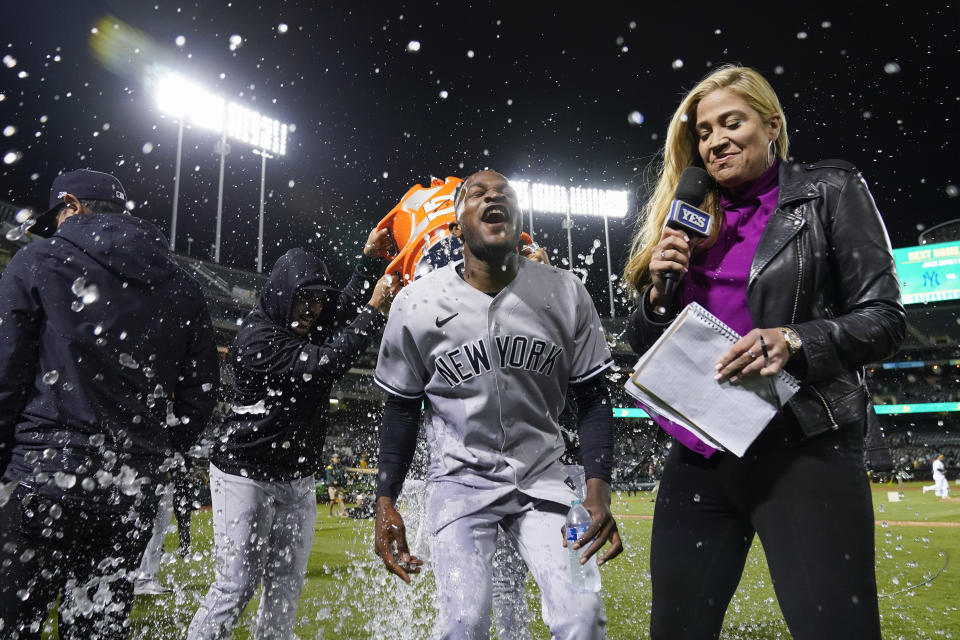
[469,360]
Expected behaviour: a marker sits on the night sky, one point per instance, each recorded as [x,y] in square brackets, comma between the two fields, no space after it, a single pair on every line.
[530,89]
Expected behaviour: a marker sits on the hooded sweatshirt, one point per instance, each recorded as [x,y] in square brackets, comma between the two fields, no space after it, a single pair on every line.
[108,362]
[281,393]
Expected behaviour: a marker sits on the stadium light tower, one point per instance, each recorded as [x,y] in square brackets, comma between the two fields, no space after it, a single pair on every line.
[263,182]
[186,101]
[570,201]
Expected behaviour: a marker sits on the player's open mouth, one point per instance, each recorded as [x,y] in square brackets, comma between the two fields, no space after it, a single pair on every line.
[495,214]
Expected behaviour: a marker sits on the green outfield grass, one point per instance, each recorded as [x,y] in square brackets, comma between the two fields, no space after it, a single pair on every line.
[348,595]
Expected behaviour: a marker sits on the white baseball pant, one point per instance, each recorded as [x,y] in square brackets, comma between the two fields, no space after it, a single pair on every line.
[462,554]
[263,531]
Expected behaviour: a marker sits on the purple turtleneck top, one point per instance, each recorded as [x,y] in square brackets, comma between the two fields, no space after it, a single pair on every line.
[717,277]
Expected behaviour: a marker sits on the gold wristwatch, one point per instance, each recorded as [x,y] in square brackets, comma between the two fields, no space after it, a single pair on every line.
[794,343]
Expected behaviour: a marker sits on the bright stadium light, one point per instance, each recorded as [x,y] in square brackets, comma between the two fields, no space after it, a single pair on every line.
[178,97]
[578,201]
[189,103]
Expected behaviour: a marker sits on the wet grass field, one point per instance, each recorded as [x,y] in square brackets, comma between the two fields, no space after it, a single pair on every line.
[348,595]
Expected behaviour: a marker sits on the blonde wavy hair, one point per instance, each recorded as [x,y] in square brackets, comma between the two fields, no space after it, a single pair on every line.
[680,151]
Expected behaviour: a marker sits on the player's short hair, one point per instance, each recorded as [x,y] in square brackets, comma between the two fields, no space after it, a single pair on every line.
[103,206]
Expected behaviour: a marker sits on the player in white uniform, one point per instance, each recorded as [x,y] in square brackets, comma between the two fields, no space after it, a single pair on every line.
[490,346]
[942,487]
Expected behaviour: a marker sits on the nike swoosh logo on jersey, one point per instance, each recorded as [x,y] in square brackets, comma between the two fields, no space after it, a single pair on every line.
[440,322]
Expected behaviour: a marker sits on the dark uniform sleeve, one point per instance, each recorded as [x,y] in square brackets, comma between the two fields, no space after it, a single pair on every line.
[196,391]
[595,425]
[398,442]
[20,321]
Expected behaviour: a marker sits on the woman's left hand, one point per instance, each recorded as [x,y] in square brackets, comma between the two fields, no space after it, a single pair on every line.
[762,351]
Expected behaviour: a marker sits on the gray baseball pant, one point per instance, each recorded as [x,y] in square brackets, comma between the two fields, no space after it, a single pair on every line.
[263,532]
[462,554]
[150,563]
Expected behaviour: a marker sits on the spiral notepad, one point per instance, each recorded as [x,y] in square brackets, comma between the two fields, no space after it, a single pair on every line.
[675,378]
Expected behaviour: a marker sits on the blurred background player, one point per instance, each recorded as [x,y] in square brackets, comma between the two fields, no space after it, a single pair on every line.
[102,381]
[460,338]
[940,478]
[301,337]
[336,477]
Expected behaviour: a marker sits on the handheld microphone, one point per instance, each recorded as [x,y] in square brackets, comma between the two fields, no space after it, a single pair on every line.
[685,216]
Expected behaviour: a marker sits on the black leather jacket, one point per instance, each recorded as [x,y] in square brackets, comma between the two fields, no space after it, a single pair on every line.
[823,267]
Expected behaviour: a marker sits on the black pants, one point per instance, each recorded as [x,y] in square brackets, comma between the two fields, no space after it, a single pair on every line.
[50,547]
[183,497]
[808,500]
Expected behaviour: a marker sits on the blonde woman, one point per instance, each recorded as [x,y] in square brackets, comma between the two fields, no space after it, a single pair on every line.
[800,265]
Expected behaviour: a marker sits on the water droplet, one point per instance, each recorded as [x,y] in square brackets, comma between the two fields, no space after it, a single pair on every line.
[307,377]
[635,118]
[303,356]
[91,294]
[97,330]
[9,130]
[891,68]
[802,35]
[64,480]
[180,41]
[696,497]
[952,191]
[51,377]
[12,157]
[206,386]
[282,27]
[677,64]
[14,234]
[88,484]
[444,94]
[127,360]
[147,147]
[56,511]
[413,46]
[76,305]
[78,286]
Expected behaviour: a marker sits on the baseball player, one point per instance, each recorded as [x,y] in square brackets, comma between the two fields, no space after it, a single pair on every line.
[303,335]
[490,346]
[940,478]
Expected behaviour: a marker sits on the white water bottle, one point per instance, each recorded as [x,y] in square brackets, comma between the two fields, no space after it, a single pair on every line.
[585,577]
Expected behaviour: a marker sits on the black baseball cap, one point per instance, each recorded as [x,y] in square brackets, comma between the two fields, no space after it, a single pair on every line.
[84,184]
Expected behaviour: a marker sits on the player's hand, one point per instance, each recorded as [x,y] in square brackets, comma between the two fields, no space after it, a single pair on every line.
[380,244]
[746,357]
[390,541]
[672,253]
[535,253]
[603,527]
[383,294]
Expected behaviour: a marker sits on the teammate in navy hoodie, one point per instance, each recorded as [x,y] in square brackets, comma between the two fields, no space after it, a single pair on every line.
[108,369]
[303,335]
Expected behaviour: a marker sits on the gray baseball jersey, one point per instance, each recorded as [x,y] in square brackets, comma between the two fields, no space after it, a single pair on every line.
[494,370]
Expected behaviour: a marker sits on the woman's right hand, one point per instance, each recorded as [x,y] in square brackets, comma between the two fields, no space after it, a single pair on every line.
[672,253]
